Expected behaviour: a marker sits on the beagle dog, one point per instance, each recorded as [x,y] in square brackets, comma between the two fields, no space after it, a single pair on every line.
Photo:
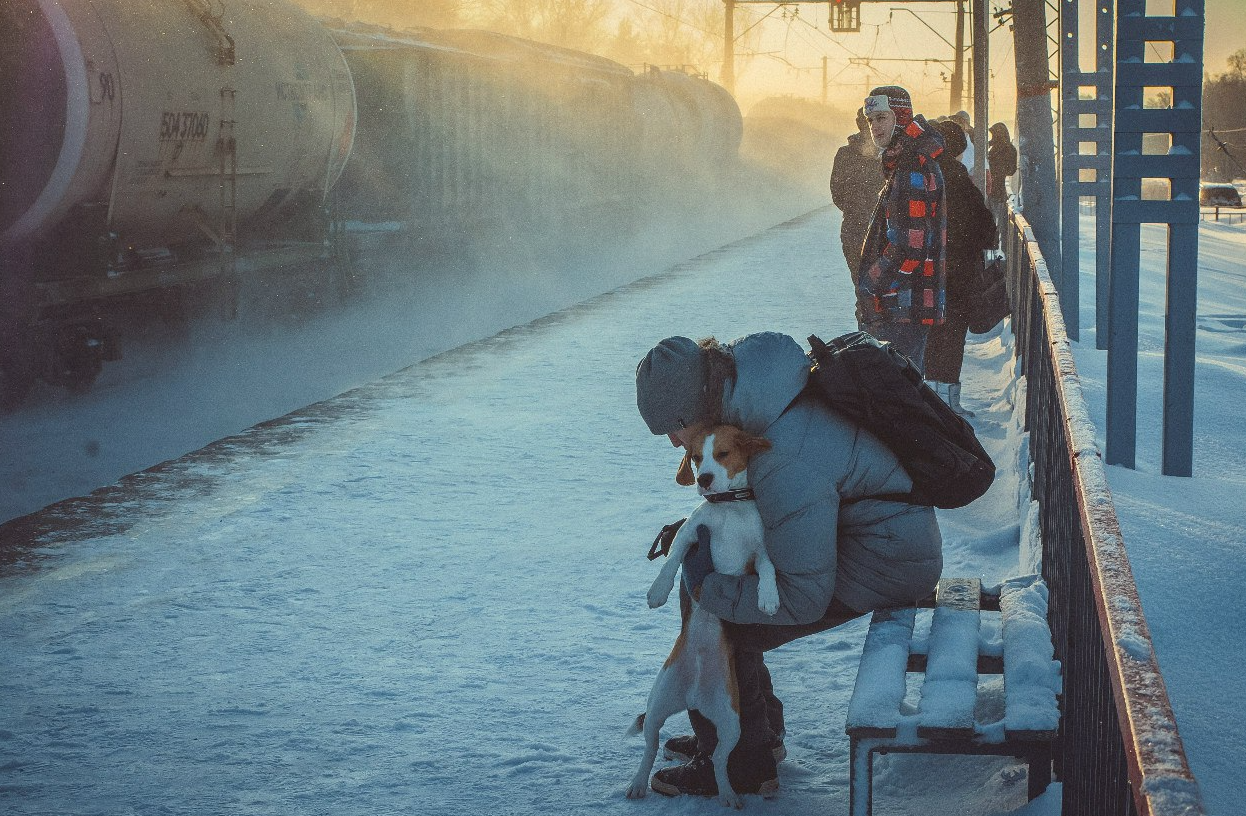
[700,672]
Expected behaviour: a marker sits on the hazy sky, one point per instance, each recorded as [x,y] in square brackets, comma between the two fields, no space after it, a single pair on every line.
[793,47]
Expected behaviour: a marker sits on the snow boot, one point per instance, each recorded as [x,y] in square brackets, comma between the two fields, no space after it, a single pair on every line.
[953,400]
[684,749]
[696,778]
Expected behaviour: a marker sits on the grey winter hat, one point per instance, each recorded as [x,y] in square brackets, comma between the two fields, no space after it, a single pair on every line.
[671,385]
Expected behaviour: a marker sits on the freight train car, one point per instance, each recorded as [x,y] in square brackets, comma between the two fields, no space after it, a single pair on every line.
[180,147]
[503,142]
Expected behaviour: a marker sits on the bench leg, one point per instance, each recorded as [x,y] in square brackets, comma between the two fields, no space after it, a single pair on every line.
[1040,772]
[861,777]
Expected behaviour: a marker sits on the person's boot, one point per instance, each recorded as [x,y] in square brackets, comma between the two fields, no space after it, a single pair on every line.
[939,388]
[953,400]
[748,774]
[684,749]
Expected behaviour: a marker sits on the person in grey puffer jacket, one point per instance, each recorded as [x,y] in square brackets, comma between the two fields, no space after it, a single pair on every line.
[837,552]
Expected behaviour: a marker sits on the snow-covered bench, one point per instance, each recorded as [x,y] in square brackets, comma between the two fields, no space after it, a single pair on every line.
[969,634]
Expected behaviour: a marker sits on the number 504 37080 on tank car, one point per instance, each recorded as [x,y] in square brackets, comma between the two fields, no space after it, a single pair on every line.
[168,154]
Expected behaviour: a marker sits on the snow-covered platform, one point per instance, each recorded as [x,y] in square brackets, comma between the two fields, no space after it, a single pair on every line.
[428,594]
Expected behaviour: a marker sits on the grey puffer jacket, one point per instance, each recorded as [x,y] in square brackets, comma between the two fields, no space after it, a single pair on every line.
[867,553]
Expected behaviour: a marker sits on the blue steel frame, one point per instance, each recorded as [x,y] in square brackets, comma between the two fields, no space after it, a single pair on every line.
[1073,162]
[1183,123]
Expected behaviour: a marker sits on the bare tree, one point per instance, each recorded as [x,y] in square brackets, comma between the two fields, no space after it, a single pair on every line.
[1237,62]
[679,32]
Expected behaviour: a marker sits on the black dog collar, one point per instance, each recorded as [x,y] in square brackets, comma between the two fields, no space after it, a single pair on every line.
[743,494]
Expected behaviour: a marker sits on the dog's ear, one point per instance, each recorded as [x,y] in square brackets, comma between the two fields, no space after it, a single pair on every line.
[754,445]
[684,475]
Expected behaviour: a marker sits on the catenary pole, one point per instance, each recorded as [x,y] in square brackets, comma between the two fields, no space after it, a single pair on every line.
[1039,193]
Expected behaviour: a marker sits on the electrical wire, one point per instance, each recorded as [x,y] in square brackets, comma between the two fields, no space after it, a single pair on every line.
[1224,148]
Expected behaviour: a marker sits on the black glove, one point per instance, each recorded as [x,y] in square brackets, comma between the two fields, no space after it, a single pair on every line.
[698,563]
[662,544]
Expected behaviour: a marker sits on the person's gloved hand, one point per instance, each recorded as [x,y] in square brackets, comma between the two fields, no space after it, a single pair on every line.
[698,563]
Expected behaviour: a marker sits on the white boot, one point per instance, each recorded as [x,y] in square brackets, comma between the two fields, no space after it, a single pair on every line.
[953,400]
[939,388]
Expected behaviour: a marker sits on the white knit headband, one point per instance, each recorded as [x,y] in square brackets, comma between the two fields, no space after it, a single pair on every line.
[876,103]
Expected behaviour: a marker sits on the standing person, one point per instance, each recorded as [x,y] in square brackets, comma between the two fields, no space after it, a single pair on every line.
[838,553]
[962,118]
[900,288]
[970,232]
[856,178]
[1001,162]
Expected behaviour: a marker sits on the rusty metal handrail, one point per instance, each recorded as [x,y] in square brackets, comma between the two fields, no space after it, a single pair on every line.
[1118,751]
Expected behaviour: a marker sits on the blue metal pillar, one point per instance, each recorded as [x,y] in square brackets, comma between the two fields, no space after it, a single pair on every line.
[1105,37]
[1137,35]
[1085,120]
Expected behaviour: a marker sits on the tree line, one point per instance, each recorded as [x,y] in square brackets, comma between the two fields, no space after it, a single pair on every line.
[1224,122]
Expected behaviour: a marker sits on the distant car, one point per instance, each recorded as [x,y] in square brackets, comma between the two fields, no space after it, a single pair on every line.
[1219,195]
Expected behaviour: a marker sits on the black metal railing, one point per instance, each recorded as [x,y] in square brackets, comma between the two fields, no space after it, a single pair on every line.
[1118,750]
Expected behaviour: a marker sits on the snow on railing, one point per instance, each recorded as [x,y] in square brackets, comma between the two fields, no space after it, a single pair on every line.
[1119,750]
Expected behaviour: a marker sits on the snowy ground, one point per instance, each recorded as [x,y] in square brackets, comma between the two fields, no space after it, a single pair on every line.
[427,595]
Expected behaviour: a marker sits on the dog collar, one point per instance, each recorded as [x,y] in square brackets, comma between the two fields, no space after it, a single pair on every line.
[743,494]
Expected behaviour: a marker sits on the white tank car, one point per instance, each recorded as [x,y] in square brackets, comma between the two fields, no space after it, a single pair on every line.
[131,105]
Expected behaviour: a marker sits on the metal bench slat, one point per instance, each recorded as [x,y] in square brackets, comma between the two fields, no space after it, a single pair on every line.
[1031,673]
[874,710]
[950,691]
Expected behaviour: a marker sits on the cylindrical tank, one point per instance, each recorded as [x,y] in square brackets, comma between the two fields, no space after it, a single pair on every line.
[125,105]
[687,118]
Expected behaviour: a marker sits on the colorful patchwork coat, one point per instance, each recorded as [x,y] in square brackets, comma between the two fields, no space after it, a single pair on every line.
[903,277]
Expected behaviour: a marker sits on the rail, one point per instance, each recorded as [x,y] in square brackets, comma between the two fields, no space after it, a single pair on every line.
[1118,751]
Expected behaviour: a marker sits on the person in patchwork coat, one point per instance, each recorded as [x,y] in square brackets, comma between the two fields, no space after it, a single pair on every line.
[902,283]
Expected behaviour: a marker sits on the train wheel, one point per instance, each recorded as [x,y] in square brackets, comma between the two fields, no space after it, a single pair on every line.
[79,358]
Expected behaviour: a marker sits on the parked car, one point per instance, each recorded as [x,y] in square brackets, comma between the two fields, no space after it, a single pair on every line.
[1219,195]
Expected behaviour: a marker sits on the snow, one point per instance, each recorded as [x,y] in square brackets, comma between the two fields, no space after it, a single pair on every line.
[1031,674]
[428,594]
[879,686]
[950,687]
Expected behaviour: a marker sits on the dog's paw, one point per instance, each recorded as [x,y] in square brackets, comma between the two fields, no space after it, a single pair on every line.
[659,592]
[637,790]
[731,799]
[768,599]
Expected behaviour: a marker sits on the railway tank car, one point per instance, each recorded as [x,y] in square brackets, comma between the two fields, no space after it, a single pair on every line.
[154,139]
[180,147]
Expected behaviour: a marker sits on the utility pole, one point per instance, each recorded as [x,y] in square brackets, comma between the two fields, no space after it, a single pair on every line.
[824,80]
[1040,195]
[728,73]
[958,72]
[980,63]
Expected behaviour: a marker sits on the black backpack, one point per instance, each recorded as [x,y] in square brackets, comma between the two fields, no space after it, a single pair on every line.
[881,390]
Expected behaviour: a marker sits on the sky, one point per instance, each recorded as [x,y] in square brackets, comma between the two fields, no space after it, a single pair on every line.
[891,30]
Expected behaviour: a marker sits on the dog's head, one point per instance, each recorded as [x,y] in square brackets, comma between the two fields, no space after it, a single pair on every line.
[720,458]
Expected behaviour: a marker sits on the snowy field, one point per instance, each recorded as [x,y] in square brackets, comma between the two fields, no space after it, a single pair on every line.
[428,595]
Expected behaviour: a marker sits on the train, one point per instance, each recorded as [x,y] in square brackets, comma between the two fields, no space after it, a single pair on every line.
[173,152]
